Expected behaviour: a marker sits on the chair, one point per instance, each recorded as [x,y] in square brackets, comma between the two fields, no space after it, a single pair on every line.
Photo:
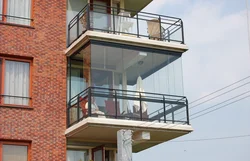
[82,104]
[110,108]
[124,22]
[154,29]
[144,114]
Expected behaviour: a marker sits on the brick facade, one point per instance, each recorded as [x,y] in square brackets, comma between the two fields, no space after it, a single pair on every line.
[44,123]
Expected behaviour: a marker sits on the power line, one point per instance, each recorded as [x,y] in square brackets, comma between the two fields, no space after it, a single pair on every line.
[211,110]
[219,103]
[210,139]
[219,107]
[220,89]
[218,95]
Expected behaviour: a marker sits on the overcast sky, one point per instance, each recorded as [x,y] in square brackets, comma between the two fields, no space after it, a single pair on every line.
[216,33]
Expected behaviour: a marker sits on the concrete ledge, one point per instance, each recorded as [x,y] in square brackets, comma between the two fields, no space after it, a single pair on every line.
[124,39]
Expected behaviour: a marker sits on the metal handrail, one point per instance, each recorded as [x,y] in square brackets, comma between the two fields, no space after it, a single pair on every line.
[176,104]
[122,9]
[144,93]
[138,16]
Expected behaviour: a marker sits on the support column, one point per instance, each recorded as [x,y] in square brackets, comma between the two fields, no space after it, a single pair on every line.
[124,145]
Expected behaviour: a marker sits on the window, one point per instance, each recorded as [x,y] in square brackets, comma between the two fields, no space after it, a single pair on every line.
[77,155]
[15,81]
[14,151]
[15,11]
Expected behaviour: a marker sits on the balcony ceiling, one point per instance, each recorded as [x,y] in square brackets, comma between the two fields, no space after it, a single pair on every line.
[136,5]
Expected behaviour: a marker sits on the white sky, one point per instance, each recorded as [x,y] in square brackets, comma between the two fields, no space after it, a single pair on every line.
[216,33]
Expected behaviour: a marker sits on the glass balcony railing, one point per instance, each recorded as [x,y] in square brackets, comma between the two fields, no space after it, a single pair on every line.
[125,22]
[127,105]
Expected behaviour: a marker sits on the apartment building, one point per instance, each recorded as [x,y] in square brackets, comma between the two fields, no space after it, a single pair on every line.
[74,73]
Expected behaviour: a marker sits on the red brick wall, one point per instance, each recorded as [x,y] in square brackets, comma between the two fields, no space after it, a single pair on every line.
[45,123]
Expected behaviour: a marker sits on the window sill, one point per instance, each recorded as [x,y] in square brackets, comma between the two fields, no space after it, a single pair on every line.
[17,107]
[17,25]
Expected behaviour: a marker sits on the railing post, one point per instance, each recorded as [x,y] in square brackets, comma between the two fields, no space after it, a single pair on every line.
[138,28]
[182,32]
[160,28]
[68,34]
[68,115]
[78,108]
[172,115]
[187,112]
[77,27]
[168,35]
[89,102]
[140,107]
[113,12]
[116,111]
[164,108]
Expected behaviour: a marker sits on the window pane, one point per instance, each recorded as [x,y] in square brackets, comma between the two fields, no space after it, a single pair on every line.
[19,8]
[1,9]
[16,83]
[15,153]
[74,155]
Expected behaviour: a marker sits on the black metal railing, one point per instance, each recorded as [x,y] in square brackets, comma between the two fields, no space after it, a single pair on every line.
[125,22]
[128,105]
[16,19]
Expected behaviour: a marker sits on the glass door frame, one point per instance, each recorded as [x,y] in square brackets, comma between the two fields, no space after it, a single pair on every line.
[102,148]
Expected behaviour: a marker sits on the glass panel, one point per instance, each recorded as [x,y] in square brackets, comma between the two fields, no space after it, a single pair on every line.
[74,155]
[98,155]
[113,71]
[15,153]
[16,83]
[19,9]
[73,7]
[124,23]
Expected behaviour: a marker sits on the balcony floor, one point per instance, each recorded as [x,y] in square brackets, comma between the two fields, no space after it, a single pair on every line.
[94,129]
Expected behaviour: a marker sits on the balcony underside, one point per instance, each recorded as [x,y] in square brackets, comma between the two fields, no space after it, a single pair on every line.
[137,5]
[89,130]
[122,39]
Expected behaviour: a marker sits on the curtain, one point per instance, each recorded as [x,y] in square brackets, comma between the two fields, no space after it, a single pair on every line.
[16,82]
[15,153]
[19,8]
[1,9]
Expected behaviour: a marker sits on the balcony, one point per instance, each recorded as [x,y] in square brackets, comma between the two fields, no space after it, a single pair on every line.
[114,86]
[150,107]
[165,117]
[125,22]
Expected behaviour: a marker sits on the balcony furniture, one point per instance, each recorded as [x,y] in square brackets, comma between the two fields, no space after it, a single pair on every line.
[137,113]
[124,24]
[154,29]
[82,104]
[94,108]
[111,108]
